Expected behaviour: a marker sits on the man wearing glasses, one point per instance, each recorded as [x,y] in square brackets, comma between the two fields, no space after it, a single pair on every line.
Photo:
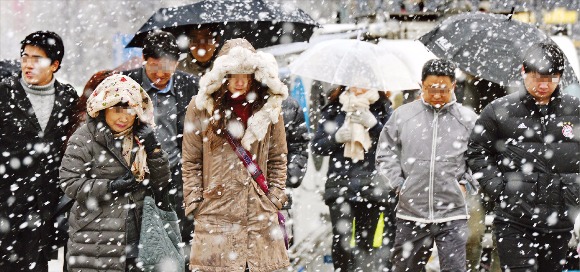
[525,147]
[38,115]
[170,92]
[420,155]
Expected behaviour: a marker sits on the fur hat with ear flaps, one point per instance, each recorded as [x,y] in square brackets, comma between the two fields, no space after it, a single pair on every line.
[237,56]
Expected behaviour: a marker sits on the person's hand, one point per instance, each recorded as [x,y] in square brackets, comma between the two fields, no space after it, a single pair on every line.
[343,135]
[124,184]
[365,118]
[463,189]
[147,137]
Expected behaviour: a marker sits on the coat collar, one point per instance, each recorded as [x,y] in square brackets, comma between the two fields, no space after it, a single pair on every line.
[103,136]
[530,102]
[61,99]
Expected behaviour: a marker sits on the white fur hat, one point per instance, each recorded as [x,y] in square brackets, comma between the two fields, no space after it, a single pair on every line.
[239,57]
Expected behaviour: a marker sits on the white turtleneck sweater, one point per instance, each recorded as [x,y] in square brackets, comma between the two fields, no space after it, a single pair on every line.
[42,100]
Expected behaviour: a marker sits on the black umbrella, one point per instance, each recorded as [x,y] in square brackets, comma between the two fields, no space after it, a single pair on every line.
[490,46]
[262,23]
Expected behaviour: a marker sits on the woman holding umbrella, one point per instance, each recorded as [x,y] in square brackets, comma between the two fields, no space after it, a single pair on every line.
[110,163]
[350,126]
[234,128]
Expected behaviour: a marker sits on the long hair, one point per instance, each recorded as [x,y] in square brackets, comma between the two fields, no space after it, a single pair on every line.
[336,92]
[218,122]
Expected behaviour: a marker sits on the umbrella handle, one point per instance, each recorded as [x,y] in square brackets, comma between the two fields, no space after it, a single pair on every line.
[511,13]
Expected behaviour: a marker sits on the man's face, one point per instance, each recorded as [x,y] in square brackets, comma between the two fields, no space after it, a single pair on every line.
[202,44]
[541,87]
[438,90]
[160,70]
[36,67]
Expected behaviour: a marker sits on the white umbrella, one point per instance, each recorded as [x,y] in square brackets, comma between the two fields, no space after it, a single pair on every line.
[412,52]
[354,63]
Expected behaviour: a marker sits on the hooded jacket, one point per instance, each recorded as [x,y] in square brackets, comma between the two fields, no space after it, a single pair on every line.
[529,161]
[236,224]
[98,220]
[421,155]
[345,177]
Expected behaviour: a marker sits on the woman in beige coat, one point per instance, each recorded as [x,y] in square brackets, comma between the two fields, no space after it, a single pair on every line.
[236,224]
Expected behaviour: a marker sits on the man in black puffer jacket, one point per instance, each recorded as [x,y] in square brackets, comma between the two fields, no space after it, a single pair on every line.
[525,147]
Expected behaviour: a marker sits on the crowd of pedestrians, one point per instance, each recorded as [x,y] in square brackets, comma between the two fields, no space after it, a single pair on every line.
[215,137]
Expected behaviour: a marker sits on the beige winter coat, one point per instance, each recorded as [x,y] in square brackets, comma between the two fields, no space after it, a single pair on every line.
[236,224]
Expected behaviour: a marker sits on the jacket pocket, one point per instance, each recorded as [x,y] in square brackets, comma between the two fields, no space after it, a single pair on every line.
[216,191]
[520,192]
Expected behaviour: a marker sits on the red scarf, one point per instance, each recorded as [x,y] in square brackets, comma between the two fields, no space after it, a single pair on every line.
[241,107]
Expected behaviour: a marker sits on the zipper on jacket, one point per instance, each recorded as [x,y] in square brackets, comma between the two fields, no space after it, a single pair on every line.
[432,163]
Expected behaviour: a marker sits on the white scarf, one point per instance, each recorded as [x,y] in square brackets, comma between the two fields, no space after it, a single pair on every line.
[360,140]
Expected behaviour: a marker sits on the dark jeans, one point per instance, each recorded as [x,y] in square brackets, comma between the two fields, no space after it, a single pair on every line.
[361,257]
[413,243]
[20,250]
[522,249]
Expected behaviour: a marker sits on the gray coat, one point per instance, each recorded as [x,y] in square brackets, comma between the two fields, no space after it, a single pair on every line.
[421,154]
[98,228]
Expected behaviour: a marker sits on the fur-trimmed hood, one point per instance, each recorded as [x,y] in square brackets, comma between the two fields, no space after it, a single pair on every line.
[239,57]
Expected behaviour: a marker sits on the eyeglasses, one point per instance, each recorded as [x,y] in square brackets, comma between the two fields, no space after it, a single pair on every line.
[124,110]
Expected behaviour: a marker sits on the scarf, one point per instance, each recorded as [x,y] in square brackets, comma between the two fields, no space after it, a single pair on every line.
[361,140]
[139,166]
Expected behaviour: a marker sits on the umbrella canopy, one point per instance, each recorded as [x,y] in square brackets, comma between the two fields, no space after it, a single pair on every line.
[354,63]
[490,46]
[413,53]
[262,23]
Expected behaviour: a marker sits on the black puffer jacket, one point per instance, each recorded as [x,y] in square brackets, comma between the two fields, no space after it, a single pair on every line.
[345,177]
[529,160]
[297,140]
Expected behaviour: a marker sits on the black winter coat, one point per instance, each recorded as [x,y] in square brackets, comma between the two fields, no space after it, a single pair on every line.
[30,158]
[297,139]
[185,86]
[529,161]
[344,177]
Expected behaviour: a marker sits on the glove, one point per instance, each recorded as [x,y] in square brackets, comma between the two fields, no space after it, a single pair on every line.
[365,118]
[124,184]
[343,135]
[147,137]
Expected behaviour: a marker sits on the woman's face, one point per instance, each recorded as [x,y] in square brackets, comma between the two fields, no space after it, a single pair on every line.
[119,118]
[239,84]
[357,91]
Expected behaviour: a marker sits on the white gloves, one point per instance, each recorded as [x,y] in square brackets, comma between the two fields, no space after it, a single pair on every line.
[365,118]
[343,135]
